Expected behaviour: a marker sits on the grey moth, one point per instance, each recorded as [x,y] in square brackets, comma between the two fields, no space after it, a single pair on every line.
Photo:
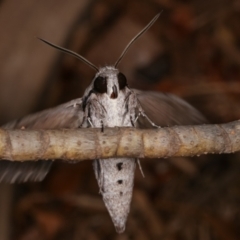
[107,102]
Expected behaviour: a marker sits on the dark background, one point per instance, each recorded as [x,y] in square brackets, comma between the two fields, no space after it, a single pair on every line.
[193,51]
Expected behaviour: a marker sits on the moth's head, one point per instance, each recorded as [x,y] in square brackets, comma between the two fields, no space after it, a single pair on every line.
[110,81]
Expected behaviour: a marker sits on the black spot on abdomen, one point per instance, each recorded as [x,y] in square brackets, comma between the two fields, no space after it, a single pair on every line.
[119,166]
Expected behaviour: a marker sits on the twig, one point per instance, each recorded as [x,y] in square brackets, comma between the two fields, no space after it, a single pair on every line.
[87,144]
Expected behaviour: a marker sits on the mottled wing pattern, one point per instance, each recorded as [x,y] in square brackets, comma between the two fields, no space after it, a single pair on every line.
[68,115]
[166,110]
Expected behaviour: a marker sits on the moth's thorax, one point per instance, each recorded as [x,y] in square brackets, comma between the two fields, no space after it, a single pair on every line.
[107,95]
[115,115]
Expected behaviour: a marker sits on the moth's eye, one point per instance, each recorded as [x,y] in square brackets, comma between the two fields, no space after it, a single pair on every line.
[122,80]
[100,84]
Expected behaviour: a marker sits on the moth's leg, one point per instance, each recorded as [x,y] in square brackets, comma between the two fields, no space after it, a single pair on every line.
[126,101]
[102,126]
[138,115]
[130,105]
[98,169]
[99,112]
[132,121]
[87,117]
[126,106]
[84,122]
[90,122]
[93,112]
[142,113]
[149,120]
[140,167]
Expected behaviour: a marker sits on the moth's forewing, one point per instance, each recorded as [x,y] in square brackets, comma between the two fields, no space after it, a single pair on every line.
[166,110]
[68,115]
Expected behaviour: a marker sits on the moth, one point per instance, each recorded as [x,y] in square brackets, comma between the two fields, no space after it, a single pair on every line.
[107,102]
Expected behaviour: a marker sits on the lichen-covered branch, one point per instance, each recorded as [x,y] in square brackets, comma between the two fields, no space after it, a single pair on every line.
[83,144]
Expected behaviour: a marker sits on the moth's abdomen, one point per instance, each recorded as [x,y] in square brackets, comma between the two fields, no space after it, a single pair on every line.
[115,179]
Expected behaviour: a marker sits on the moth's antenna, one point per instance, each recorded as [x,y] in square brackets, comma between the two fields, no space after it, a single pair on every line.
[71,53]
[136,37]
